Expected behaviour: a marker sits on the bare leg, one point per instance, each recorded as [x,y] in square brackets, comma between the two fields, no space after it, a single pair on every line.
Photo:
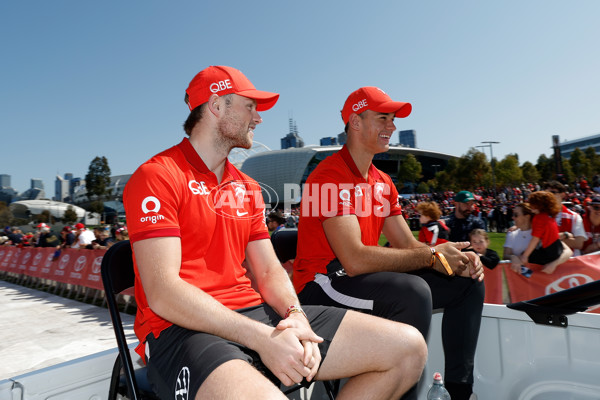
[566,254]
[384,358]
[236,379]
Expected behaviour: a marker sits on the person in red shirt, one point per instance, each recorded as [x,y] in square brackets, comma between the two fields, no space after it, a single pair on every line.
[194,221]
[545,247]
[570,223]
[347,203]
[591,222]
[433,229]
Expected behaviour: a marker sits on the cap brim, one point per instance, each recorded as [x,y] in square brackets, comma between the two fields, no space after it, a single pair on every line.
[264,100]
[402,110]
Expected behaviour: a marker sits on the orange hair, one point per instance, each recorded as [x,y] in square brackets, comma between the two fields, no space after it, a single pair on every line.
[544,202]
[429,209]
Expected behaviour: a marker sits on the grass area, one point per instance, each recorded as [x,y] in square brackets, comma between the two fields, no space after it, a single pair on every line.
[496,241]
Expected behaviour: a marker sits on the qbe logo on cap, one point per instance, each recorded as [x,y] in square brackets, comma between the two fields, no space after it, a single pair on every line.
[216,87]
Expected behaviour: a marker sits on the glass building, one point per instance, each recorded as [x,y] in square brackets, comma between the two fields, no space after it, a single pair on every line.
[567,147]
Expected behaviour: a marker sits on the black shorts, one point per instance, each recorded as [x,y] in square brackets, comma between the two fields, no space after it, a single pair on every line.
[545,255]
[181,359]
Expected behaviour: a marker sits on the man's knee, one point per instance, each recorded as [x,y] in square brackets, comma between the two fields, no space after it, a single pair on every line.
[410,302]
[412,361]
[249,383]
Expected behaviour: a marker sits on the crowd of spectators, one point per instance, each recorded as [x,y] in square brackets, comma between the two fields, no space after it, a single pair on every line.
[77,236]
[495,209]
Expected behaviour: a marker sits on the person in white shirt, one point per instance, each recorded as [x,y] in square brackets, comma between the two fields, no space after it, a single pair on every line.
[517,240]
[84,236]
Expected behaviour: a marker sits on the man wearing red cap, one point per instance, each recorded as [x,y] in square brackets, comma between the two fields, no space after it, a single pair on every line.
[346,204]
[83,236]
[193,220]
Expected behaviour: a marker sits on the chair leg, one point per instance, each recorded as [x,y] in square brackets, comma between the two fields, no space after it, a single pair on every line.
[115,379]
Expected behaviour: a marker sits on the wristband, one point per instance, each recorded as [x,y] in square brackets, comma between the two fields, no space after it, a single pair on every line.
[437,255]
[293,309]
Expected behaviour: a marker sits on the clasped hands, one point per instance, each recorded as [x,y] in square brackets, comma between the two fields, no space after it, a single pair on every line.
[292,351]
[465,264]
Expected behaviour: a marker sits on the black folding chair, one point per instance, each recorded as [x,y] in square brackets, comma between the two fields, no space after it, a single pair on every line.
[284,242]
[117,276]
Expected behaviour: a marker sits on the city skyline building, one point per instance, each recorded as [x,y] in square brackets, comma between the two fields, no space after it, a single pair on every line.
[4,180]
[328,141]
[61,187]
[408,138]
[36,183]
[292,139]
[567,147]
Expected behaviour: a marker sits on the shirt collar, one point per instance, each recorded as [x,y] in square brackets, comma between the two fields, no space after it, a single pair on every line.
[191,155]
[347,157]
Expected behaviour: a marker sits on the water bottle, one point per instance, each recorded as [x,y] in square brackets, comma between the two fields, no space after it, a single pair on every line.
[437,390]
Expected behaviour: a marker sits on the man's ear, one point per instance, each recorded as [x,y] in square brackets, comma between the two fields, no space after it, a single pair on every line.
[214,104]
[354,121]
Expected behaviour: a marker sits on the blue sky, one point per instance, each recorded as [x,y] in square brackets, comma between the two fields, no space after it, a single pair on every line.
[85,79]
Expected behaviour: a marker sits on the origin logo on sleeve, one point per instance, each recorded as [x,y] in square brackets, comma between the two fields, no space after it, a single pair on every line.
[151,207]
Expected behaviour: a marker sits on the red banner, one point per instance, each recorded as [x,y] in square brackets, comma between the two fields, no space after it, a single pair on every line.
[493,284]
[576,271]
[77,267]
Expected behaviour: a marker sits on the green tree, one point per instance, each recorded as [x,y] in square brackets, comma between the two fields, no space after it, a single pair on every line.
[410,170]
[423,188]
[473,170]
[6,216]
[594,159]
[568,175]
[579,163]
[97,180]
[545,167]
[508,172]
[43,217]
[95,207]
[530,173]
[446,179]
[70,216]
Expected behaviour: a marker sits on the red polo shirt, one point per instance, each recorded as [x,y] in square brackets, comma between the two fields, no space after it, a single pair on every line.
[175,194]
[544,227]
[337,188]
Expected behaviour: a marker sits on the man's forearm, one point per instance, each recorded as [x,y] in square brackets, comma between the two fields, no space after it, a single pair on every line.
[194,309]
[376,259]
[277,290]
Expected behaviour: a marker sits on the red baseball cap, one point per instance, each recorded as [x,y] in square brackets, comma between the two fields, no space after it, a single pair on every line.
[222,80]
[79,226]
[374,99]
